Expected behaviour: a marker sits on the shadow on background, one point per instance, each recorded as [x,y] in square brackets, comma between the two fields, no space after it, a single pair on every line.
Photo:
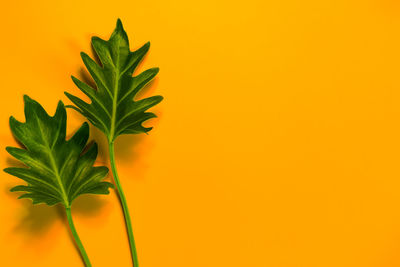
[89,205]
[36,220]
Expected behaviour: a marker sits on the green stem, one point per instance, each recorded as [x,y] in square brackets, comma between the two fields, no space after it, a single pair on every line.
[76,237]
[124,206]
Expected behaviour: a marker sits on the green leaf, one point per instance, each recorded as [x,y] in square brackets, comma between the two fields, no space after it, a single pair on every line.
[113,109]
[57,170]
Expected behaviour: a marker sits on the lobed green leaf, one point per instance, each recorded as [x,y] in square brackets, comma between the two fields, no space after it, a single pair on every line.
[57,170]
[113,109]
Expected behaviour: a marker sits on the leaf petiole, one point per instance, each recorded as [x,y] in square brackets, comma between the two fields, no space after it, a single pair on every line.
[124,205]
[76,237]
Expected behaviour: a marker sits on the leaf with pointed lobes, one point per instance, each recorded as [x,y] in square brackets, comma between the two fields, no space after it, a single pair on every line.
[113,109]
[57,170]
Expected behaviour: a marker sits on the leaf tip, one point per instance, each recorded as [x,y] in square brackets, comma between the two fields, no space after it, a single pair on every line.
[12,119]
[94,38]
[60,104]
[14,123]
[159,98]
[84,56]
[119,25]
[67,94]
[27,99]
[7,170]
[119,32]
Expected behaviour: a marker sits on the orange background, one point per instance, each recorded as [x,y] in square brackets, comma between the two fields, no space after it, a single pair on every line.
[277,144]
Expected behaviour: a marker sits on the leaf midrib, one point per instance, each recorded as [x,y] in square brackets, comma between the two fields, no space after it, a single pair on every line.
[53,165]
[115,98]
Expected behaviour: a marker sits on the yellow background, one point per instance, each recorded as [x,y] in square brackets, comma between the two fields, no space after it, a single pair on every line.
[277,144]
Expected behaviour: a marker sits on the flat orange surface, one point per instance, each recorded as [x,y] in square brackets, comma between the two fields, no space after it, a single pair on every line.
[277,144]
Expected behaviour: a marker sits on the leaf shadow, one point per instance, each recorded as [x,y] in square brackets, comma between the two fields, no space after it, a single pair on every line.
[36,220]
[88,205]
[14,162]
[127,146]
[32,220]
[85,77]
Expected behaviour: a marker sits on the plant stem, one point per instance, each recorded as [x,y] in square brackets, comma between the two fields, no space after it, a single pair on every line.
[124,206]
[76,237]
